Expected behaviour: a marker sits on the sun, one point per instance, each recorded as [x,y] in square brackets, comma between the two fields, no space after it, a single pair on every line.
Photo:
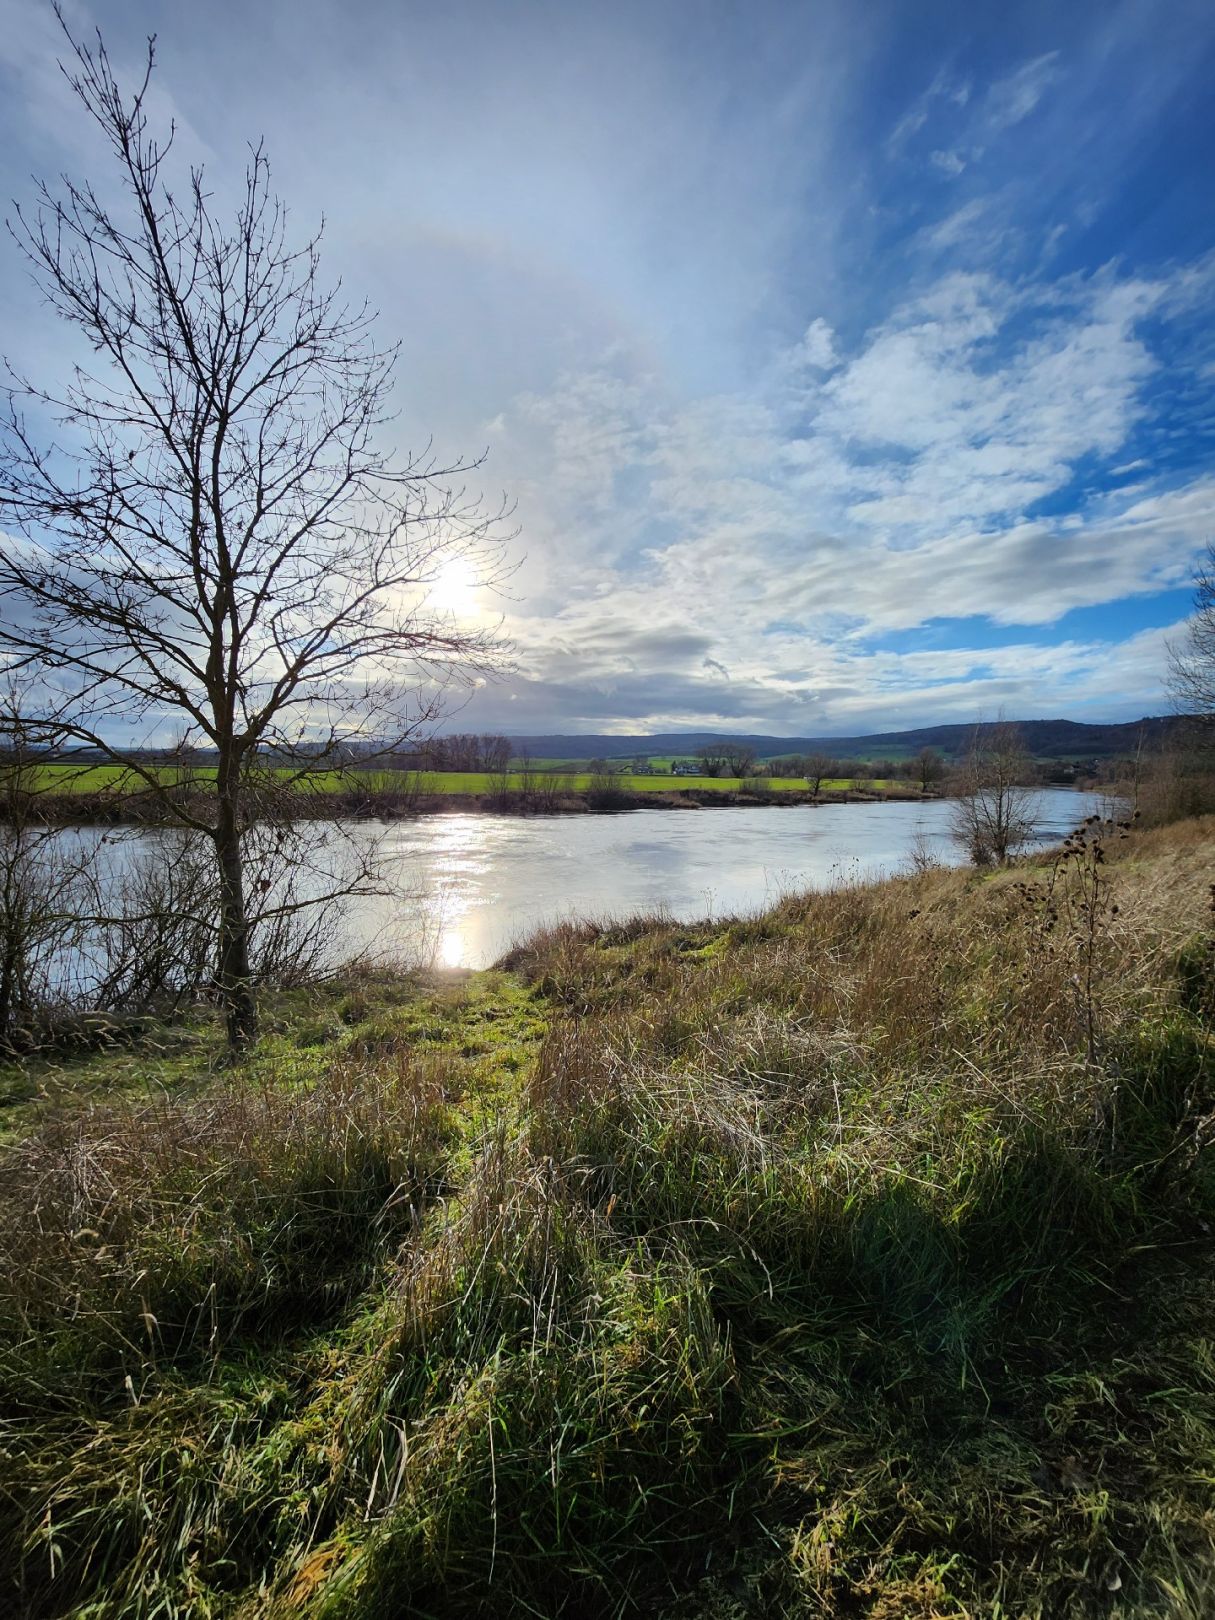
[454,588]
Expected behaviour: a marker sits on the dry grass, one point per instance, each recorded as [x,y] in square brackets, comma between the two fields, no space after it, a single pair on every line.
[852,1260]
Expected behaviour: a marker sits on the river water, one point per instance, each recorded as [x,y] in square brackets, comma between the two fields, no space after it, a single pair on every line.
[460,890]
[471,886]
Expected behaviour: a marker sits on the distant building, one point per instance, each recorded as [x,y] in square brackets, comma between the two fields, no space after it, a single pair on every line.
[686,767]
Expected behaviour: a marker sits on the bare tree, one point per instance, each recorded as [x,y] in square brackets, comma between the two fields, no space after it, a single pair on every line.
[927,768]
[466,751]
[993,813]
[216,540]
[817,769]
[495,753]
[530,784]
[1192,660]
[728,758]
[740,759]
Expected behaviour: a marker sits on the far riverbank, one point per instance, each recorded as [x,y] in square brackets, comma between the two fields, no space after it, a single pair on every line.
[108,807]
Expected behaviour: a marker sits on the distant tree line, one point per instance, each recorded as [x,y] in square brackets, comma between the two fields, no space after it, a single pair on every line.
[467,751]
[725,758]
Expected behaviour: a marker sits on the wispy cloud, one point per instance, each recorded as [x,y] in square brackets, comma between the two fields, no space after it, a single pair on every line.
[960,127]
[1011,99]
[950,163]
[946,92]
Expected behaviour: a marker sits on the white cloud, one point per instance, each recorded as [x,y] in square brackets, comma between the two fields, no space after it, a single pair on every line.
[775,534]
[820,685]
[944,88]
[910,124]
[950,163]
[1013,98]
[979,431]
[964,128]
[957,227]
[817,347]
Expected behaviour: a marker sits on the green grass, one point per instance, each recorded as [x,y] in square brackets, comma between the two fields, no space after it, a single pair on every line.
[116,779]
[461,782]
[800,1265]
[104,778]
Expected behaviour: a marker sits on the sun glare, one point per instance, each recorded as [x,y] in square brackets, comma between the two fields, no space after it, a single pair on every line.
[454,589]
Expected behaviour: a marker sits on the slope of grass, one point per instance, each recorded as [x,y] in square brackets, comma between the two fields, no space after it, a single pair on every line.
[853,1260]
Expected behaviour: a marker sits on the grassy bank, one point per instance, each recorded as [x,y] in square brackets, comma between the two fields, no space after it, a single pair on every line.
[69,780]
[852,1260]
[113,793]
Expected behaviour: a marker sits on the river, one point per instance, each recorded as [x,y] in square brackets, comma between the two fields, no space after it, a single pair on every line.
[462,889]
[474,885]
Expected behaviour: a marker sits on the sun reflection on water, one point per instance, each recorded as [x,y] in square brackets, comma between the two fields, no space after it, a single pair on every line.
[453,949]
[460,858]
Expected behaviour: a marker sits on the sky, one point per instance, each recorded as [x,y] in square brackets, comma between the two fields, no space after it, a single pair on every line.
[849,368]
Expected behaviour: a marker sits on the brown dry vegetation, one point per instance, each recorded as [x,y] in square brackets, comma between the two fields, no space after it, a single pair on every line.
[850,1260]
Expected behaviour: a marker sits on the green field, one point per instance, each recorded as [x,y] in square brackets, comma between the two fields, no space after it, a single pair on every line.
[117,779]
[582,782]
[61,778]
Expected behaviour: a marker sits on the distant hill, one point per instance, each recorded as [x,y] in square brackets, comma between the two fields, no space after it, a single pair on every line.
[1045,739]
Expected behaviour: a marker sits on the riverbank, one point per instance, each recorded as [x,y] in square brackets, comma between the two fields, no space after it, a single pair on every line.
[850,1259]
[110,806]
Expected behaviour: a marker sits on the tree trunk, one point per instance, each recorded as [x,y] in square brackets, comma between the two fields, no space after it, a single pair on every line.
[8,995]
[14,941]
[235,983]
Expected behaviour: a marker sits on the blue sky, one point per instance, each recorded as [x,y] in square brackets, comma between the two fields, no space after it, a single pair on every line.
[852,367]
